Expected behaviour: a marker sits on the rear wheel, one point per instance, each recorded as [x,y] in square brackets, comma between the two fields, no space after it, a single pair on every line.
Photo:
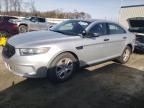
[62,67]
[124,58]
[23,29]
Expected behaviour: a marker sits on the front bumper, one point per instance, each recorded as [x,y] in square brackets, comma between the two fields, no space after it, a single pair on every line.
[28,66]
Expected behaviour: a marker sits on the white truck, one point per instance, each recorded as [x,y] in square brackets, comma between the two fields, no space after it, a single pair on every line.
[32,23]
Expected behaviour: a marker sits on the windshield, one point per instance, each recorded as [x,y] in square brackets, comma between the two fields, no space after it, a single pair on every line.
[71,27]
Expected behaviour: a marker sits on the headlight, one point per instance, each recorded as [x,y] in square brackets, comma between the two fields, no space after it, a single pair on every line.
[32,51]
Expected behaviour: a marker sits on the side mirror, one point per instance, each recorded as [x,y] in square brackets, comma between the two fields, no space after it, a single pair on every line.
[96,34]
[88,34]
[93,35]
[84,33]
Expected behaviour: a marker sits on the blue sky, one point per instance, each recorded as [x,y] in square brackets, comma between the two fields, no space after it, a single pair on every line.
[96,8]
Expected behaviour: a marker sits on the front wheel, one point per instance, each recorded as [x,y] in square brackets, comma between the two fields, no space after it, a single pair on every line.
[62,67]
[124,58]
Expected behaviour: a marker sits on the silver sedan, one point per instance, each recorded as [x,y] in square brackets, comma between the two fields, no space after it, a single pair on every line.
[58,53]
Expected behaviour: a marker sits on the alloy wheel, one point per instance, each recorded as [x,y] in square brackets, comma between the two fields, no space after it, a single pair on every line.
[64,68]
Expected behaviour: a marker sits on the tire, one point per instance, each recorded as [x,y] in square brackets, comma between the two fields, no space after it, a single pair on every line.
[23,29]
[62,68]
[124,58]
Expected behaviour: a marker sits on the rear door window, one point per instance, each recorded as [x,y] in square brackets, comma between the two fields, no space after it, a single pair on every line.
[115,29]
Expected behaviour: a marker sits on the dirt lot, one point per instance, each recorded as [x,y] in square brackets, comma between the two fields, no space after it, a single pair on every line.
[108,85]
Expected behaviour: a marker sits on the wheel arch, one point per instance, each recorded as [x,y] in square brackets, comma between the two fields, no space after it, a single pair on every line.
[23,24]
[131,46]
[70,52]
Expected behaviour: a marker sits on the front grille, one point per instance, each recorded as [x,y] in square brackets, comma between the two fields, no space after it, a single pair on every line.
[140,38]
[8,51]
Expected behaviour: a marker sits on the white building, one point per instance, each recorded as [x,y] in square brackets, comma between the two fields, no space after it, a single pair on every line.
[132,16]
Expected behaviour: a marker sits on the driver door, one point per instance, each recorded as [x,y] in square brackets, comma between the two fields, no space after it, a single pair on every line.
[94,45]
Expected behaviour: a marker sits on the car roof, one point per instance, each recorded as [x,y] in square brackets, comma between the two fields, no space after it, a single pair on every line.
[9,17]
[99,21]
[93,20]
[35,16]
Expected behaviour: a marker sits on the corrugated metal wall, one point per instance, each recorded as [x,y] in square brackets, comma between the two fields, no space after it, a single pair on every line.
[130,12]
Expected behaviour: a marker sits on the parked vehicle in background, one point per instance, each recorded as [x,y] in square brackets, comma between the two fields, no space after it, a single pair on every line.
[32,23]
[7,26]
[58,53]
[139,46]
[136,26]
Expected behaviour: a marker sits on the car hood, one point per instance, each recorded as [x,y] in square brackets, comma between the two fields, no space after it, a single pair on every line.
[39,38]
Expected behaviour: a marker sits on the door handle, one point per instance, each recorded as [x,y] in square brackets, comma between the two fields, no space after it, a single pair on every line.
[79,47]
[124,37]
[106,39]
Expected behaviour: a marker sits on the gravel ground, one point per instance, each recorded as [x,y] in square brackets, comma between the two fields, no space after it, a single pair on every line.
[107,85]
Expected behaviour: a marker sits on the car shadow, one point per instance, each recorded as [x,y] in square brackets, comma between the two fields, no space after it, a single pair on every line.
[110,86]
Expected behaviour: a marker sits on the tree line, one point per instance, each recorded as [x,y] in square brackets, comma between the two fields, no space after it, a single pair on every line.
[22,8]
